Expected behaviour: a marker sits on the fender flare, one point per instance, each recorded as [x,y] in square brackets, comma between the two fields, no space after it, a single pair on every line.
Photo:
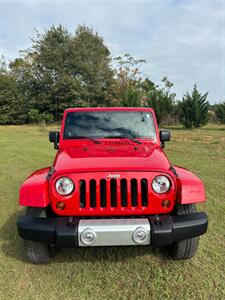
[190,189]
[34,190]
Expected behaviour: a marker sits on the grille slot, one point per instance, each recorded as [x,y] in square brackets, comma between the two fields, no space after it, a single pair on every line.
[134,192]
[93,193]
[103,194]
[114,193]
[144,192]
[82,193]
[123,192]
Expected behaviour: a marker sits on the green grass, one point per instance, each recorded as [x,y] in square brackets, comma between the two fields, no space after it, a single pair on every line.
[113,273]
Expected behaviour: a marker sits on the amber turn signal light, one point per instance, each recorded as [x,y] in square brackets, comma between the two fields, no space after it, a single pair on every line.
[60,205]
[166,203]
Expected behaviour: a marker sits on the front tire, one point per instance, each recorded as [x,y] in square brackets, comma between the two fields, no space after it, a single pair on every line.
[36,252]
[184,249]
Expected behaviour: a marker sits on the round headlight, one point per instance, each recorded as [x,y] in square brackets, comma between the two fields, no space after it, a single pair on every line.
[161,184]
[64,186]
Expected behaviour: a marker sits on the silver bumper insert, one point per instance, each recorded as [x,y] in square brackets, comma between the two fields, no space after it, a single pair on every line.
[113,232]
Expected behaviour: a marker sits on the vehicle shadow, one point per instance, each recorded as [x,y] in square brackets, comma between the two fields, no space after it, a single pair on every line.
[12,246]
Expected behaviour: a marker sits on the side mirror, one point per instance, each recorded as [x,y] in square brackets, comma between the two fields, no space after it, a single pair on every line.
[54,138]
[164,137]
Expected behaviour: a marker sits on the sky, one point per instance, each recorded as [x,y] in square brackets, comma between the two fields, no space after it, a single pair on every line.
[181,39]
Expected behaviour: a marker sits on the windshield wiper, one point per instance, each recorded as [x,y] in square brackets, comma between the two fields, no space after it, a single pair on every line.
[122,137]
[85,137]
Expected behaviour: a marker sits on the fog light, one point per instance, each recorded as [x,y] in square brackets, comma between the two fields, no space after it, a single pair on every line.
[140,235]
[166,203]
[60,205]
[88,237]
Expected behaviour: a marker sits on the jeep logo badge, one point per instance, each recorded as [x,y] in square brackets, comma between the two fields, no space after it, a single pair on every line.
[113,176]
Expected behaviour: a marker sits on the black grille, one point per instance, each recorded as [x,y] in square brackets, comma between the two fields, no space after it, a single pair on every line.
[120,192]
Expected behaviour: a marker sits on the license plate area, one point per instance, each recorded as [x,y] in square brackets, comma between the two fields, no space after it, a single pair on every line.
[113,232]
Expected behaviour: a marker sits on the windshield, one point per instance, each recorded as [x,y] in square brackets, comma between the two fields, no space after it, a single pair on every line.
[103,124]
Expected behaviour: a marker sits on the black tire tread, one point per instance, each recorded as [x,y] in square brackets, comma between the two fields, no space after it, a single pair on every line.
[184,249]
[36,252]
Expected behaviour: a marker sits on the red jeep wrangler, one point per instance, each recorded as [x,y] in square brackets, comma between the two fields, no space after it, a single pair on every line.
[111,184]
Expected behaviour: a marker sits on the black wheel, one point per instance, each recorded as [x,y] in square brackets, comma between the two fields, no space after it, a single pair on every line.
[184,249]
[36,252]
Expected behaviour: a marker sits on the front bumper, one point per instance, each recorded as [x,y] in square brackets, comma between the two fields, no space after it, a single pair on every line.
[150,230]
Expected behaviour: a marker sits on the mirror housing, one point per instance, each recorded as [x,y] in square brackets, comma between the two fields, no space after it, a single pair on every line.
[164,137]
[54,138]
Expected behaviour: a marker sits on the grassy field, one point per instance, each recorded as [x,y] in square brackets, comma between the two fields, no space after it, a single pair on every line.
[113,273]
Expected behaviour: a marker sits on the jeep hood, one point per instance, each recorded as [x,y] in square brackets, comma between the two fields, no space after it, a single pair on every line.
[102,157]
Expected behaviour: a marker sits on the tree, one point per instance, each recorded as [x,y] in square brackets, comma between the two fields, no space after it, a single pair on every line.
[11,101]
[161,99]
[194,109]
[35,117]
[61,70]
[132,89]
[127,86]
[91,64]
[220,112]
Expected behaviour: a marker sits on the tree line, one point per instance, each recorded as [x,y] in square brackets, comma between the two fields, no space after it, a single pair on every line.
[63,69]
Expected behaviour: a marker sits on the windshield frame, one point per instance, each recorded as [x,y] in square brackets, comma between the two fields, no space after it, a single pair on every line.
[67,142]
[104,124]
